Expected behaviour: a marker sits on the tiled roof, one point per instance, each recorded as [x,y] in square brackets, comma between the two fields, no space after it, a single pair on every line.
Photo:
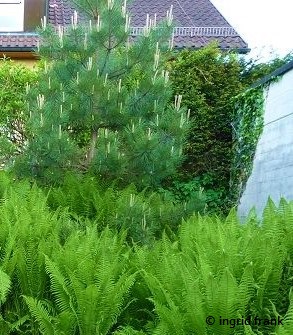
[60,12]
[202,22]
[18,41]
[198,13]
[228,42]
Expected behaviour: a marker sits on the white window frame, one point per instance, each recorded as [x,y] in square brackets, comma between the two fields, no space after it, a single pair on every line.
[11,16]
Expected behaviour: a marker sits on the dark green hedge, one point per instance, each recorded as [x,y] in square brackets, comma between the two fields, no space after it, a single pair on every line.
[207,79]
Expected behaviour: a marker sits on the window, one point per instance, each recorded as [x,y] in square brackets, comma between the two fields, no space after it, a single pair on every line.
[34,11]
[21,15]
[11,15]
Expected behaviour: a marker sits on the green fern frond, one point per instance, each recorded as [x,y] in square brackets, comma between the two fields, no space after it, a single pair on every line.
[128,330]
[15,326]
[246,289]
[66,323]
[41,315]
[172,321]
[249,331]
[287,328]
[58,286]
[5,285]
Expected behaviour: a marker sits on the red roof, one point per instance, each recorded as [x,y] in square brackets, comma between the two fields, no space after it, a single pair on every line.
[197,22]
[16,40]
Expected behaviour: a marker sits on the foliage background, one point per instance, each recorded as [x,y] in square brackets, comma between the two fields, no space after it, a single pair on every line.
[14,78]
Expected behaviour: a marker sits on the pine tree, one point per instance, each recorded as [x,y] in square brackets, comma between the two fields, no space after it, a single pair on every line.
[102,103]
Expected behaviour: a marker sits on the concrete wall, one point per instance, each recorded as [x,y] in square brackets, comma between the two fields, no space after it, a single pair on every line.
[272,173]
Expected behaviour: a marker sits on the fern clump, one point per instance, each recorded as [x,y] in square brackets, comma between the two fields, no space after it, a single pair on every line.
[225,270]
[90,279]
[63,273]
[144,214]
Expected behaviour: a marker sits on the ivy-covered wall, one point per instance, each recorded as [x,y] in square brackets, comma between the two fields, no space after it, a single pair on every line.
[272,171]
[247,126]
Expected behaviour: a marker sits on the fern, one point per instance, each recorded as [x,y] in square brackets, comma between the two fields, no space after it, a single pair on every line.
[28,230]
[246,290]
[128,331]
[5,285]
[287,328]
[222,269]
[171,280]
[41,315]
[90,282]
[80,278]
[145,215]
[59,287]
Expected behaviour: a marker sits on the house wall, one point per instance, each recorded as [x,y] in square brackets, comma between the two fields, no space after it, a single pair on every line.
[272,173]
[27,62]
[26,58]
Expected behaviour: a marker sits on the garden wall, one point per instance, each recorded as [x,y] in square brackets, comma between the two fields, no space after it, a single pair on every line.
[272,173]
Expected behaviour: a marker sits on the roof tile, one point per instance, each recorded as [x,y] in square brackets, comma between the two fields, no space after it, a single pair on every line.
[187,13]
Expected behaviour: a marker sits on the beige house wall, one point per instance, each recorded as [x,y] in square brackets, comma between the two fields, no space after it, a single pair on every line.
[28,59]
[31,63]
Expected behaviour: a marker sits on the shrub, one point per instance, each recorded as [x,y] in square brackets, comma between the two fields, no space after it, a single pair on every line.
[207,79]
[14,78]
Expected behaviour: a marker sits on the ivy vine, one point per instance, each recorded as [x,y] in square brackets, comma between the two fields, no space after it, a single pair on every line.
[247,127]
